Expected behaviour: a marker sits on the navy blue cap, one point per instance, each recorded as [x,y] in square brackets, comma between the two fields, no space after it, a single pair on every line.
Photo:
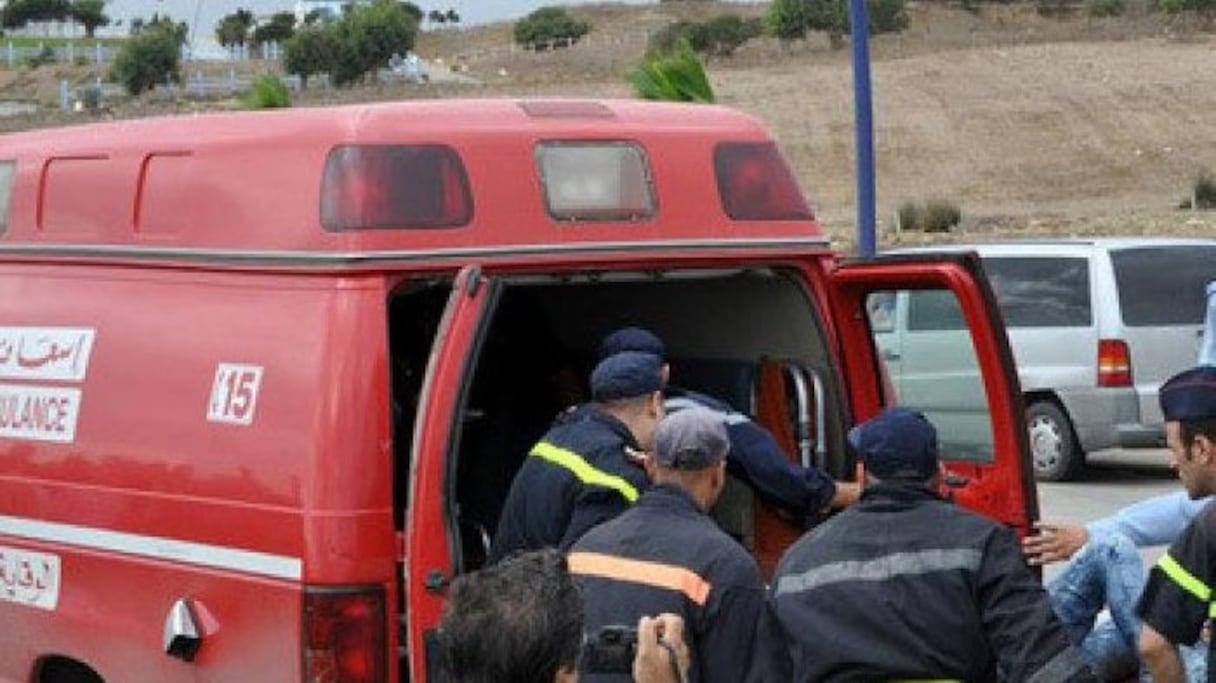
[632,339]
[1189,395]
[898,443]
[626,375]
[691,439]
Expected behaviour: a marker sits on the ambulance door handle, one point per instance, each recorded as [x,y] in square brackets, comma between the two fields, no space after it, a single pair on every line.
[436,581]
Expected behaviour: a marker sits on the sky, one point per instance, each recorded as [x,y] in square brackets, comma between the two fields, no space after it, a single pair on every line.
[209,12]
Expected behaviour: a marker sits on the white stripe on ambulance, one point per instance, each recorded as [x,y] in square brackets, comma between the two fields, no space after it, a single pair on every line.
[156,547]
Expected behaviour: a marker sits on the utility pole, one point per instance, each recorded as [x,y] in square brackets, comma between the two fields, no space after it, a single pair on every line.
[863,129]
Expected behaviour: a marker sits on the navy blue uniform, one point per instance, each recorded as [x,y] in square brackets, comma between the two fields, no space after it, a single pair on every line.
[757,459]
[904,585]
[1177,599]
[665,555]
[574,478]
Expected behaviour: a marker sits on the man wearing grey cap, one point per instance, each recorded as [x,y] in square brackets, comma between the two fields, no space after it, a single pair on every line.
[580,473]
[667,555]
[907,586]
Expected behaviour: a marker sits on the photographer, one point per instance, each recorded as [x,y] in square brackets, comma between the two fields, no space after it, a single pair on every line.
[521,621]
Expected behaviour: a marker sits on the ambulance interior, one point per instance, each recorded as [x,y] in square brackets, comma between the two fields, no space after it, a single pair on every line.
[751,337]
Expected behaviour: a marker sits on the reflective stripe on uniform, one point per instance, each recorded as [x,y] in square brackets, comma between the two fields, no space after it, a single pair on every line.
[654,574]
[880,568]
[1185,580]
[585,471]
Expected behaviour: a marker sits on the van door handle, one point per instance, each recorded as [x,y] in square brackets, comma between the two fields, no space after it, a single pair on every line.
[436,581]
[890,355]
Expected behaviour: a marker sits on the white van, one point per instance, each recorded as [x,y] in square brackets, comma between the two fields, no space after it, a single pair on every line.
[1095,325]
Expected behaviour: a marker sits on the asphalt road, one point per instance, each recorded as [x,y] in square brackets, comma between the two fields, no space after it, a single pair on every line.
[1114,479]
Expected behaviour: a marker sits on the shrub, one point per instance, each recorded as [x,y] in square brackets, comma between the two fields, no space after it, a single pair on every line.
[1106,8]
[937,215]
[549,26]
[941,215]
[675,77]
[1203,193]
[887,16]
[719,36]
[147,60]
[665,40]
[268,92]
[909,216]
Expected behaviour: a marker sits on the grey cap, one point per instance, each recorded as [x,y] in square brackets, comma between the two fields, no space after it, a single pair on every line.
[691,439]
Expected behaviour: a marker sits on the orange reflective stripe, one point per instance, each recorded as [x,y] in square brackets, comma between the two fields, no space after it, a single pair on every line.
[654,574]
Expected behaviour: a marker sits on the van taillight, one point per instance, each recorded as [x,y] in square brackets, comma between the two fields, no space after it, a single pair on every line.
[1114,363]
[344,635]
[394,186]
[754,183]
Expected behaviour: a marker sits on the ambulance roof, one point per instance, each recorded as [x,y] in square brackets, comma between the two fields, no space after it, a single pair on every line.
[309,184]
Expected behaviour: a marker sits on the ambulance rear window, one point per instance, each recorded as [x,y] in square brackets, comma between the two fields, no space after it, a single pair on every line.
[754,183]
[596,181]
[394,186]
[6,191]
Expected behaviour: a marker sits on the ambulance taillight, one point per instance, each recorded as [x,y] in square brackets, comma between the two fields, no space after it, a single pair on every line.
[344,636]
[367,187]
[755,184]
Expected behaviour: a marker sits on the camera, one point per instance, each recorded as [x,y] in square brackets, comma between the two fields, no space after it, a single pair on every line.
[611,651]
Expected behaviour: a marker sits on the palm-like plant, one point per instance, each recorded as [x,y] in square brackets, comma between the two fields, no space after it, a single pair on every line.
[677,76]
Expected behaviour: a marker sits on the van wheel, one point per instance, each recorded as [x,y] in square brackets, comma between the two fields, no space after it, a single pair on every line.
[1052,444]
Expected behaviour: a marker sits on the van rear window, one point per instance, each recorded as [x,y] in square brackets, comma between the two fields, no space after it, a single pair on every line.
[394,186]
[1163,285]
[1041,292]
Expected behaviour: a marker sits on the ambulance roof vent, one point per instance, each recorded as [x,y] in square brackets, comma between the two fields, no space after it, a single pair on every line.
[566,109]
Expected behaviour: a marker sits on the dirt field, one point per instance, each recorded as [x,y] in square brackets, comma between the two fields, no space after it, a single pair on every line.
[1031,125]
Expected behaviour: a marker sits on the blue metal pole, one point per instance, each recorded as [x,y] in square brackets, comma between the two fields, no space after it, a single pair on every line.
[864,128]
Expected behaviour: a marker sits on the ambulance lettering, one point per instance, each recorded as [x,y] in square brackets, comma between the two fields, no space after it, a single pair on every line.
[29,578]
[45,353]
[39,413]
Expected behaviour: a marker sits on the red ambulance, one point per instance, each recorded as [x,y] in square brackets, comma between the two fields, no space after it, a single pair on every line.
[265,378]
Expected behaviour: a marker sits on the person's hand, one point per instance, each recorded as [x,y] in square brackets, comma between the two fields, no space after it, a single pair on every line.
[662,653]
[847,493]
[1053,542]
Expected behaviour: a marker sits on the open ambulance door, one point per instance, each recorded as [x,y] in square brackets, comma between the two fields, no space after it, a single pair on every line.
[924,332]
[430,543]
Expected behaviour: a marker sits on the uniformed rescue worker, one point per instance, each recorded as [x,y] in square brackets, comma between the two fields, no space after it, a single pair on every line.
[907,586]
[756,457]
[667,555]
[1177,600]
[588,467]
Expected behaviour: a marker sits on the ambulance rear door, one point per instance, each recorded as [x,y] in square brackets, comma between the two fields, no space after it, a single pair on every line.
[925,332]
[429,543]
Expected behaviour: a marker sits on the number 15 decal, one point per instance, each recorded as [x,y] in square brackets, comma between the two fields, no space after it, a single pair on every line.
[234,394]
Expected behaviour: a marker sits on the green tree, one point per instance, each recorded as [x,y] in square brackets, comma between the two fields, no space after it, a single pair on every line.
[311,51]
[791,19]
[148,59]
[413,10]
[549,26]
[452,16]
[788,20]
[233,29]
[675,77]
[437,17]
[280,28]
[90,14]
[18,13]
[368,36]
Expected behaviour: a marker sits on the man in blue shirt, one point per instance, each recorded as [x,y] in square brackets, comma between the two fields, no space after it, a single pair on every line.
[1105,571]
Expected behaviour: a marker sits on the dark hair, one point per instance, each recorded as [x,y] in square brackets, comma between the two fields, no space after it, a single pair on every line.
[520,621]
[1189,429]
